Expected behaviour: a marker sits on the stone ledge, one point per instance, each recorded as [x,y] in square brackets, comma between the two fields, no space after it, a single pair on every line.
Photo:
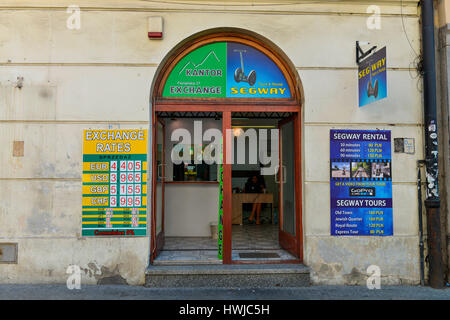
[228,269]
[228,276]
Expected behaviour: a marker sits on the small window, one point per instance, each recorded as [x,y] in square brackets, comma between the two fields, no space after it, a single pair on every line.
[193,171]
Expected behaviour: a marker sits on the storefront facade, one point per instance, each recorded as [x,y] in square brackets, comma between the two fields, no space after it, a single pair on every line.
[60,78]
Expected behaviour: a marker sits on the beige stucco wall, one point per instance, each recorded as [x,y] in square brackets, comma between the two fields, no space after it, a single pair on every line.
[443,7]
[100,77]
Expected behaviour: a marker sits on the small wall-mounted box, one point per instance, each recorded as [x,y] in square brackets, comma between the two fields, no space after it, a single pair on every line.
[18,148]
[155,27]
[8,252]
[404,145]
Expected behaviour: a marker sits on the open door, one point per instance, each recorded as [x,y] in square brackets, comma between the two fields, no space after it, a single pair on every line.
[158,187]
[288,186]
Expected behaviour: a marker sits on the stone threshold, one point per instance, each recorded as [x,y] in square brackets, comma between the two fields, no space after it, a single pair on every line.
[228,276]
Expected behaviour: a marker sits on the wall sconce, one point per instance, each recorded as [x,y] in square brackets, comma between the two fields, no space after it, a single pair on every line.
[237,131]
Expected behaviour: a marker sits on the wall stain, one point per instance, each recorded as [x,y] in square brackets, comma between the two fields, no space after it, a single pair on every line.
[105,275]
[355,277]
[40,222]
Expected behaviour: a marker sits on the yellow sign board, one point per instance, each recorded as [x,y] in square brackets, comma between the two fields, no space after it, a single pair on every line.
[131,141]
[114,182]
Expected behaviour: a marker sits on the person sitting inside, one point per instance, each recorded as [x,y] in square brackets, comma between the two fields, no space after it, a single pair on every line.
[255,184]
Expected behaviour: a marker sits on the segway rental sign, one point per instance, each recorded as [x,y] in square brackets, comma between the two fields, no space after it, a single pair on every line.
[361,183]
[372,84]
[114,183]
[226,69]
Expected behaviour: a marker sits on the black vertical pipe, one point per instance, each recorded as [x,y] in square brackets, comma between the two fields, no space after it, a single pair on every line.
[432,202]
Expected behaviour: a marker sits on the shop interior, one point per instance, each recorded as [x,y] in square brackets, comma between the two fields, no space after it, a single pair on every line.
[191,192]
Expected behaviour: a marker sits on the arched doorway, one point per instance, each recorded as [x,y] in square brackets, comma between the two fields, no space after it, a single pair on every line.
[229,75]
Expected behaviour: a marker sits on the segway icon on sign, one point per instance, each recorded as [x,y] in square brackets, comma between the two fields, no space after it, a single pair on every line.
[239,74]
[372,90]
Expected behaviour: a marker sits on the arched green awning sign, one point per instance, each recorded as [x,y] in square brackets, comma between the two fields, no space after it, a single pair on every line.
[226,70]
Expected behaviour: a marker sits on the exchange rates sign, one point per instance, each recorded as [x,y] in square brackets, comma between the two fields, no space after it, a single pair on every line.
[361,183]
[114,183]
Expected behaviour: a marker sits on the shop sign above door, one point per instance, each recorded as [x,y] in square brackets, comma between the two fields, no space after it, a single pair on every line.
[226,70]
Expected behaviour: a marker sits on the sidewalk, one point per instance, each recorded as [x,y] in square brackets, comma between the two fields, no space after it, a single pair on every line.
[107,292]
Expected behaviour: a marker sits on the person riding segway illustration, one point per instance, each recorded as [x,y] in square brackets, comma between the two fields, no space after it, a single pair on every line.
[360,172]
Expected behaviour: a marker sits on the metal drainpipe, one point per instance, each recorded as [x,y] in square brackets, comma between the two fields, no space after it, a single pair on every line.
[432,202]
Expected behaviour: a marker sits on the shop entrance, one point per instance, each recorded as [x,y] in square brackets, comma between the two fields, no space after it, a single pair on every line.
[187,189]
[256,204]
[263,182]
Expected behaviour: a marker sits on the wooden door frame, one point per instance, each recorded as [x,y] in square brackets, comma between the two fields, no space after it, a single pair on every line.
[226,106]
[283,236]
[157,239]
[226,197]
[227,111]
[298,189]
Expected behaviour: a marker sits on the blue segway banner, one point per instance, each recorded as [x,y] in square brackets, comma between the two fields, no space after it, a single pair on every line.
[251,74]
[361,183]
[372,83]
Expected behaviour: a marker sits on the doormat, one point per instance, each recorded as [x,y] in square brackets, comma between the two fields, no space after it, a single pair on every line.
[258,255]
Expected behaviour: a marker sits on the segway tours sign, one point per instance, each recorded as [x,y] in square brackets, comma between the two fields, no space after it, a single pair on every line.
[226,69]
[361,183]
[372,84]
